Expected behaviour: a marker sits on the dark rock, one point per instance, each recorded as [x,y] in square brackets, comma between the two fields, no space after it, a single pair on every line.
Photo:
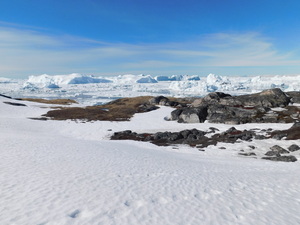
[280,136]
[268,98]
[191,137]
[230,130]
[175,136]
[213,129]
[289,158]
[189,115]
[211,98]
[5,96]
[259,137]
[218,107]
[272,153]
[230,115]
[296,125]
[294,95]
[147,108]
[248,154]
[185,133]
[171,103]
[292,133]
[159,100]
[294,148]
[198,133]
[14,104]
[279,150]
[175,114]
[39,118]
[162,100]
[161,135]
[193,115]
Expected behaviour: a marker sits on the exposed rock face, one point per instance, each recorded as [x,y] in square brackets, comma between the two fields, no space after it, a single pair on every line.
[224,108]
[268,98]
[190,115]
[294,95]
[230,115]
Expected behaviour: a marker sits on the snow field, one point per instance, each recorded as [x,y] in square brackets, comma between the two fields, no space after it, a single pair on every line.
[63,172]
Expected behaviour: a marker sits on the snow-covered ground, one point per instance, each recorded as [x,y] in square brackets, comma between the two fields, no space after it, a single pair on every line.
[67,172]
[90,90]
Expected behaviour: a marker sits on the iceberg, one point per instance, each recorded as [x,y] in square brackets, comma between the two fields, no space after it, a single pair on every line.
[48,81]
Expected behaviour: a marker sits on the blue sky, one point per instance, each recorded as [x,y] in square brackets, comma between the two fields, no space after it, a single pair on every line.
[111,37]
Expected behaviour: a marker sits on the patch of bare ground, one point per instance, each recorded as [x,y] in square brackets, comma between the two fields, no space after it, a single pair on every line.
[118,110]
[53,101]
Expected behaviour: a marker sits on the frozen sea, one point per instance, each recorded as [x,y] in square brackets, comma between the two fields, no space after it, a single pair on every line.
[90,90]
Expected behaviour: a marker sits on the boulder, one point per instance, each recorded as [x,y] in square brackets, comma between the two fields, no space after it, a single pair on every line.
[193,115]
[276,150]
[279,150]
[294,148]
[190,114]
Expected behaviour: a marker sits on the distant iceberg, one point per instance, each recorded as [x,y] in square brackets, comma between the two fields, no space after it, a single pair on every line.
[146,79]
[177,78]
[4,80]
[47,81]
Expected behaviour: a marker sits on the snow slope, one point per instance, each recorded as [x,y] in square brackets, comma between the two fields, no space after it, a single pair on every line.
[66,172]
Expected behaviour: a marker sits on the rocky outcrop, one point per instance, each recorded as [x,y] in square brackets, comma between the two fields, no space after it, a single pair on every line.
[218,113]
[191,137]
[268,98]
[276,154]
[202,139]
[255,108]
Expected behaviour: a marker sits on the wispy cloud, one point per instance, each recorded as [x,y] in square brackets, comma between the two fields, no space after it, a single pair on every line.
[27,51]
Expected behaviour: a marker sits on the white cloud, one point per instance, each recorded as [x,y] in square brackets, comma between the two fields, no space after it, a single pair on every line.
[25,52]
